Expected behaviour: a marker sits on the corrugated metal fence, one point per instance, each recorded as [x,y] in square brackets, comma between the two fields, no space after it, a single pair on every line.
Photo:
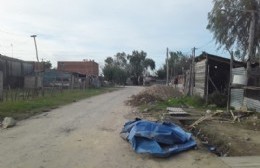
[237,95]
[238,98]
[200,75]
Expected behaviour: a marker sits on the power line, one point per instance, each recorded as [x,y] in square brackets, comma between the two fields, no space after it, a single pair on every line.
[206,44]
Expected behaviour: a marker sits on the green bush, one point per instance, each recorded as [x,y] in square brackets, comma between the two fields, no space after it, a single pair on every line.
[195,101]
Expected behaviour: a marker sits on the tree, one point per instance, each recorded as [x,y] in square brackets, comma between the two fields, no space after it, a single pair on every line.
[121,59]
[161,73]
[232,22]
[115,74]
[149,63]
[47,65]
[138,63]
[108,72]
[177,63]
[109,61]
[115,68]
[118,68]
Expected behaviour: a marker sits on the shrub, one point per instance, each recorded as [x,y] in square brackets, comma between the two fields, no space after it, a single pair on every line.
[194,101]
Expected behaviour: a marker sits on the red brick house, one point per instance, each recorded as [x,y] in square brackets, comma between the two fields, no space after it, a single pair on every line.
[81,67]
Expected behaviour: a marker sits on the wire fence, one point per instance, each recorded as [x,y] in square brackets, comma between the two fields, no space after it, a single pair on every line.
[28,94]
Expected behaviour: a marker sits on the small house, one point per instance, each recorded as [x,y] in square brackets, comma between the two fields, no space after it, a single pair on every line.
[13,71]
[210,74]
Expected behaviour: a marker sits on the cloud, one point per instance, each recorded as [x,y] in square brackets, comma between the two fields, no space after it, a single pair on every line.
[95,29]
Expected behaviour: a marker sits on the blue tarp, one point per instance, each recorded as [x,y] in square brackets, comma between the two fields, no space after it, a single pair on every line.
[158,139]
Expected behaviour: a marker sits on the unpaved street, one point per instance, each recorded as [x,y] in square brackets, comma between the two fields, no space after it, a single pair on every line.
[85,134]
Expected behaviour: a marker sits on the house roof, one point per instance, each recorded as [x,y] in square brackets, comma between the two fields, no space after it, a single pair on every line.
[10,58]
[205,55]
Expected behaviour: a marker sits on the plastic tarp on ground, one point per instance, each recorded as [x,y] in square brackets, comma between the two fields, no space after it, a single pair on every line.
[158,139]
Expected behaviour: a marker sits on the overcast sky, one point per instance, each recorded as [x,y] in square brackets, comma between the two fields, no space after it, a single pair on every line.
[95,29]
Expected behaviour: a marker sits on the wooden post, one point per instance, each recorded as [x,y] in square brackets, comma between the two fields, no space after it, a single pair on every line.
[230,82]
[207,79]
[189,91]
[193,70]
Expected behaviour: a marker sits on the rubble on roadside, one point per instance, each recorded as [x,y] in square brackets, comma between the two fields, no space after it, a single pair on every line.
[153,94]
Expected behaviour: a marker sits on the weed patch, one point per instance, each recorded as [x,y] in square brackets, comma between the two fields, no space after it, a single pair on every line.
[193,101]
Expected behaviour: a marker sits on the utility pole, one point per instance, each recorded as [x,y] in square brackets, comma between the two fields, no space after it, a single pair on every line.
[34,36]
[36,72]
[167,67]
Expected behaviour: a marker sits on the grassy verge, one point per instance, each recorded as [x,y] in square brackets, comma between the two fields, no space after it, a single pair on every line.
[190,101]
[25,108]
[194,102]
[185,101]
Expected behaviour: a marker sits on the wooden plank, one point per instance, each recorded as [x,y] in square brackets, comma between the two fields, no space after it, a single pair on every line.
[198,117]
[185,118]
[251,87]
[176,111]
[242,162]
[206,117]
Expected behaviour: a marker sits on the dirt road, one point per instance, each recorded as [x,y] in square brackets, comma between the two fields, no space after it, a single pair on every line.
[85,134]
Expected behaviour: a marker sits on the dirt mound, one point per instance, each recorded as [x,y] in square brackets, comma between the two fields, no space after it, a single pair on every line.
[154,93]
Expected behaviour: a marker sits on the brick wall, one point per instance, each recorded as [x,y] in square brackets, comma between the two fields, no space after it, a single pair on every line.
[84,67]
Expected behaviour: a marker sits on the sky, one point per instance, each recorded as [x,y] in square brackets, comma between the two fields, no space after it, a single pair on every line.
[95,29]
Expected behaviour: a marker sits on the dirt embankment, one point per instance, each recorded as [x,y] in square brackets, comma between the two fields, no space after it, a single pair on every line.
[231,138]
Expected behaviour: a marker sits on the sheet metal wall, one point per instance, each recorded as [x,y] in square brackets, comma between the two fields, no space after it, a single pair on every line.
[237,95]
[14,71]
[200,78]
[252,104]
[237,98]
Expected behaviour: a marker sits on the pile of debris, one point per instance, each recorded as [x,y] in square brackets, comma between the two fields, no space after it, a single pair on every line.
[153,94]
